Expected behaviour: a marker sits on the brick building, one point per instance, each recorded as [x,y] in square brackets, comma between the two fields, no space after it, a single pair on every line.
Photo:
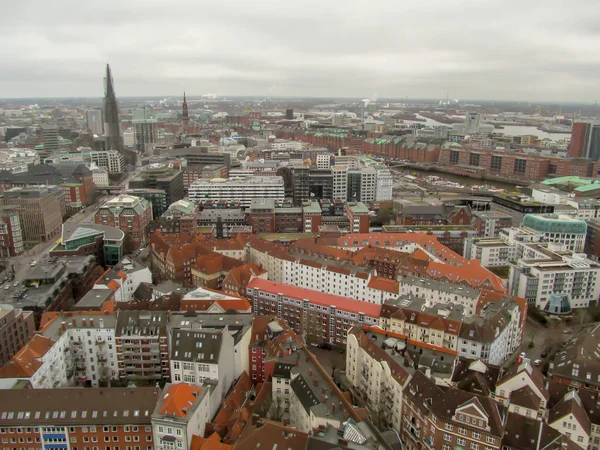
[480,162]
[132,215]
[441,419]
[73,419]
[16,328]
[271,338]
[41,210]
[316,316]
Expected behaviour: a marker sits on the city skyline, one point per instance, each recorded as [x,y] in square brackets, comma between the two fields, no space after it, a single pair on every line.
[470,49]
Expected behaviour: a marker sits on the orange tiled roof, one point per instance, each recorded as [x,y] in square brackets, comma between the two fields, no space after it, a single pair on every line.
[29,359]
[178,397]
[384,284]
[211,443]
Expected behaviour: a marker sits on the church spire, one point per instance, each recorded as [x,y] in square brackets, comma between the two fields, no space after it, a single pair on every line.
[186,115]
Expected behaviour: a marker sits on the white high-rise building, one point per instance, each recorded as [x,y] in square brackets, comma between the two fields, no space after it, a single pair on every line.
[340,182]
[472,122]
[110,160]
[385,183]
[368,184]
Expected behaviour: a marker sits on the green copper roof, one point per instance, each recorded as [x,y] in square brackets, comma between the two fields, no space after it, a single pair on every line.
[572,180]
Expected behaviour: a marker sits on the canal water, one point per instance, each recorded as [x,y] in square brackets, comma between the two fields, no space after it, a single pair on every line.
[465,181]
[511,130]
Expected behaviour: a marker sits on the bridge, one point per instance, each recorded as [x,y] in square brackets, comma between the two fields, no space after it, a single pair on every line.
[110,190]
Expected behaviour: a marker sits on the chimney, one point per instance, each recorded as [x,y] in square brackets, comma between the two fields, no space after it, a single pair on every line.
[92,323]
[333,407]
[84,322]
[101,321]
[63,326]
[74,322]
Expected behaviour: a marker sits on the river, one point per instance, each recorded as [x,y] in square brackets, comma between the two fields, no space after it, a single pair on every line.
[466,181]
[512,130]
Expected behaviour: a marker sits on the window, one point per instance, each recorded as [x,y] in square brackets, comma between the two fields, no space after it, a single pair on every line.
[448,427]
[462,431]
[447,437]
[474,446]
[476,435]
[461,441]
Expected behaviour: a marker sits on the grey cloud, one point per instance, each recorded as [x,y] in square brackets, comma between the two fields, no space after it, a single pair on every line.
[529,50]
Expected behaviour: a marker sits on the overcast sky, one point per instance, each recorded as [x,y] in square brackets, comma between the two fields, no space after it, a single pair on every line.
[477,49]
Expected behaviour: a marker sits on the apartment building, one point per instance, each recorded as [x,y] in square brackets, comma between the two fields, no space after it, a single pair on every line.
[239,189]
[203,355]
[495,333]
[561,229]
[441,419]
[123,279]
[489,223]
[376,376]
[16,328]
[435,292]
[141,345]
[270,339]
[566,274]
[306,395]
[180,217]
[132,215]
[182,412]
[316,316]
[238,325]
[88,343]
[78,418]
[39,362]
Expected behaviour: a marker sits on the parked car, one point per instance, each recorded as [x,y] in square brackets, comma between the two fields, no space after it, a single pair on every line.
[523,355]
[567,331]
[16,284]
[33,263]
[314,344]
[537,362]
[544,353]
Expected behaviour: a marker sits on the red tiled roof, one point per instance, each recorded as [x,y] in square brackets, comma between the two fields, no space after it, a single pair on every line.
[316,297]
[240,276]
[384,284]
[178,397]
[211,443]
[29,359]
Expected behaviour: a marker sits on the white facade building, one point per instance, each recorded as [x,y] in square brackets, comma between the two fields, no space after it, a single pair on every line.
[197,356]
[385,183]
[182,411]
[375,375]
[100,177]
[340,182]
[110,160]
[368,184]
[324,161]
[241,189]
[572,275]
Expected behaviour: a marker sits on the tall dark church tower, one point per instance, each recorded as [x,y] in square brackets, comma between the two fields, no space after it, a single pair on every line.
[186,115]
[112,125]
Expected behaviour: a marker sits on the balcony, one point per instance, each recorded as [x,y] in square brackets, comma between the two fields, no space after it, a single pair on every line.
[77,343]
[102,359]
[100,342]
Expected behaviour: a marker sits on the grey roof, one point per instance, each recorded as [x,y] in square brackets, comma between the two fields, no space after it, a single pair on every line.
[304,393]
[142,322]
[282,370]
[93,320]
[70,229]
[196,345]
[75,406]
[94,299]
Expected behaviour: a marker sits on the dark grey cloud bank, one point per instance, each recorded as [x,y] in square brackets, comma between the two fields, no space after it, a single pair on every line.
[526,49]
